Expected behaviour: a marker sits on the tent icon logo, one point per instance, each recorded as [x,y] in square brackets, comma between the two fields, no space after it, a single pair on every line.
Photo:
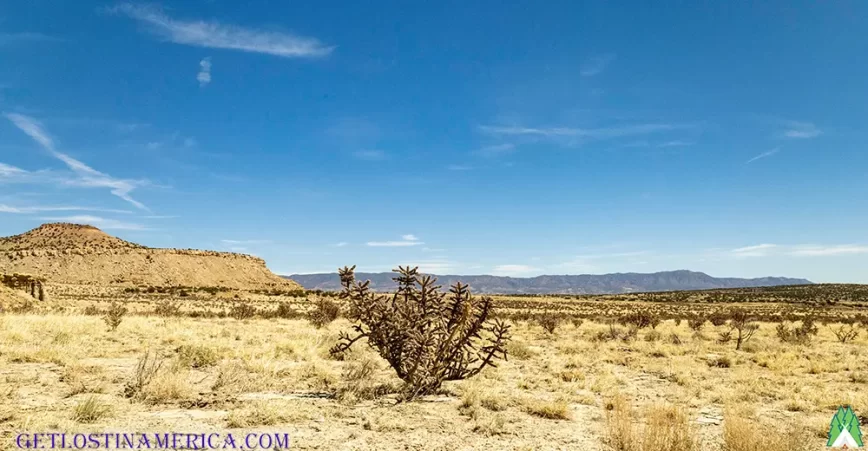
[844,430]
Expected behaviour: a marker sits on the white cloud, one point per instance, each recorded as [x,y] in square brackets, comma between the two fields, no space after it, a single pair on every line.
[87,176]
[96,221]
[764,155]
[9,171]
[676,143]
[513,270]
[798,250]
[222,36]
[245,242]
[759,250]
[435,266]
[370,155]
[801,130]
[593,133]
[406,240]
[341,244]
[822,251]
[204,75]
[596,65]
[458,167]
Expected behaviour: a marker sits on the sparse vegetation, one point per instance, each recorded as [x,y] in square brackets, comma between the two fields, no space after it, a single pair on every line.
[114,316]
[324,313]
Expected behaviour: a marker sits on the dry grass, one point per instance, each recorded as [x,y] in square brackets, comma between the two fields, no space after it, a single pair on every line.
[741,433]
[556,391]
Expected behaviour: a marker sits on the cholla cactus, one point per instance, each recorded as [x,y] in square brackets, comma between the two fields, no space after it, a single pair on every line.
[426,335]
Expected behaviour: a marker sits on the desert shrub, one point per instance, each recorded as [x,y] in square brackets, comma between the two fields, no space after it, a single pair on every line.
[741,321]
[845,332]
[666,428]
[552,410]
[577,322]
[677,321]
[741,434]
[695,323]
[242,311]
[90,410]
[324,312]
[613,332]
[92,310]
[718,318]
[549,321]
[146,370]
[284,310]
[114,316]
[801,335]
[197,356]
[724,337]
[641,319]
[653,336]
[167,309]
[720,361]
[358,383]
[425,335]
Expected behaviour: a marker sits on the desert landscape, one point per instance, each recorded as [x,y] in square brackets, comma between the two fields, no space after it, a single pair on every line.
[449,225]
[732,369]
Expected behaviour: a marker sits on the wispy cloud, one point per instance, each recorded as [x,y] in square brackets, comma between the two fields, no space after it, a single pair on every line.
[822,251]
[596,65]
[406,240]
[437,266]
[801,130]
[370,155]
[759,250]
[764,155]
[340,244]
[798,250]
[204,75]
[9,171]
[40,209]
[87,176]
[676,143]
[223,36]
[513,270]
[245,242]
[96,221]
[593,133]
[458,167]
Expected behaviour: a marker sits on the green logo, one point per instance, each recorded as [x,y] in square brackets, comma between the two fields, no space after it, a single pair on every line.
[844,430]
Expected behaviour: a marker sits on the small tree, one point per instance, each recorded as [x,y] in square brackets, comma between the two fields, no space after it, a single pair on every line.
[549,321]
[845,332]
[325,311]
[114,316]
[426,335]
[740,321]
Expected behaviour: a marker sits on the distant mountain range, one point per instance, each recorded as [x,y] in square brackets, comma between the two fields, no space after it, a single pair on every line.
[578,284]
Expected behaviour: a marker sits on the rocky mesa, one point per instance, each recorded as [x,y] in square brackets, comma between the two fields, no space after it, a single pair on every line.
[64,253]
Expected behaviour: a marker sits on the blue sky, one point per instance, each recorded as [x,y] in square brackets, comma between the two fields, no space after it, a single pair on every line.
[465,137]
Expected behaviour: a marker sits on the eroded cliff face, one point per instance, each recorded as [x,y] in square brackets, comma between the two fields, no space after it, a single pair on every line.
[76,254]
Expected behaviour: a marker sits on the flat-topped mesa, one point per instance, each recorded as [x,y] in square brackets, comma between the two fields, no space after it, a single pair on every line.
[85,255]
